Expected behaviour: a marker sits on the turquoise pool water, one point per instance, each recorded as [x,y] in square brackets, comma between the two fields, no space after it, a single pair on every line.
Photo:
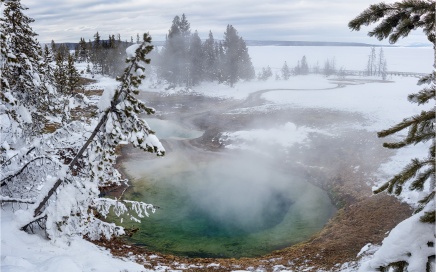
[236,205]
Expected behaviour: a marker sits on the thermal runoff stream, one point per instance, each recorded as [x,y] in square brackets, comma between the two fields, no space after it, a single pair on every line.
[220,204]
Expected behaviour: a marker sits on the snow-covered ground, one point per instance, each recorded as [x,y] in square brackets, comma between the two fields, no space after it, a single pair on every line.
[383,104]
[22,252]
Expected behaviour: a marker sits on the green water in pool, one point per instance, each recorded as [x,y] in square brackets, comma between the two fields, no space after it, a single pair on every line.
[229,206]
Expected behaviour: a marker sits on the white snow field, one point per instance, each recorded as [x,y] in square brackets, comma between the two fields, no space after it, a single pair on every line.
[383,103]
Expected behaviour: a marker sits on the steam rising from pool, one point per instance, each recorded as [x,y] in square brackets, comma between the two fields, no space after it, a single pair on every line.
[242,194]
[223,205]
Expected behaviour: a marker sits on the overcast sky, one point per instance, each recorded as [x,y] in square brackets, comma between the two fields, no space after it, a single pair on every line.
[281,20]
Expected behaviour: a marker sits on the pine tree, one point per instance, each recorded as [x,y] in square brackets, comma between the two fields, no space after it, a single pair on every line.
[60,73]
[230,45]
[83,54]
[237,62]
[329,67]
[22,72]
[371,67]
[221,69]
[184,27]
[48,62]
[382,65]
[304,66]
[96,53]
[286,72]
[265,74]
[398,20]
[53,47]
[210,58]
[72,75]
[28,101]
[174,61]
[297,69]
[246,69]
[196,58]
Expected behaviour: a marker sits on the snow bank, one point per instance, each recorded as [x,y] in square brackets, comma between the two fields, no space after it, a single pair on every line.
[284,136]
[406,242]
[378,101]
[26,252]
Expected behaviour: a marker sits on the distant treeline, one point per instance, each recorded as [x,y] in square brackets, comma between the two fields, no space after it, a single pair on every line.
[72,45]
[376,66]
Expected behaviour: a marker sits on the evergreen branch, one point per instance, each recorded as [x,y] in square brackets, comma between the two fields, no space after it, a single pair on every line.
[427,79]
[424,116]
[425,201]
[423,96]
[398,19]
[432,150]
[428,217]
[407,173]
[418,183]
[425,134]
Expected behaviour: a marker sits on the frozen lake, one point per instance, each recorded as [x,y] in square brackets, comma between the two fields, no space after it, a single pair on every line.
[399,59]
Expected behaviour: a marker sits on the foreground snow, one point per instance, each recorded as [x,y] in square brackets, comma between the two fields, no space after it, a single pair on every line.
[25,252]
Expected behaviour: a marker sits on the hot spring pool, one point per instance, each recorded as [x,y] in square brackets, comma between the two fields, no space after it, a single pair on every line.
[227,206]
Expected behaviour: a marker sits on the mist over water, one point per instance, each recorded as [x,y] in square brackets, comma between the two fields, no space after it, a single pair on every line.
[230,204]
[242,193]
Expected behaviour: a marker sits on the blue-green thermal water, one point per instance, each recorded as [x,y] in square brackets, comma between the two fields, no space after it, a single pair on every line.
[234,206]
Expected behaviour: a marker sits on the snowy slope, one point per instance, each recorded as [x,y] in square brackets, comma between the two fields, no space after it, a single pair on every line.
[25,252]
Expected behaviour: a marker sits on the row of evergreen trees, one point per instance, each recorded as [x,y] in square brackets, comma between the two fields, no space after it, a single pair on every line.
[302,68]
[377,66]
[105,56]
[186,60]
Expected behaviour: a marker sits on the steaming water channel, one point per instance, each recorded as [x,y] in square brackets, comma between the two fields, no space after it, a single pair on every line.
[225,205]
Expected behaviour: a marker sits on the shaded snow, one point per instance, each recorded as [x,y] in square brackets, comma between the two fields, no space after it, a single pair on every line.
[25,252]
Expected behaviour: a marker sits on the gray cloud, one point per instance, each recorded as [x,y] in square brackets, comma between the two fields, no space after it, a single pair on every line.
[320,20]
